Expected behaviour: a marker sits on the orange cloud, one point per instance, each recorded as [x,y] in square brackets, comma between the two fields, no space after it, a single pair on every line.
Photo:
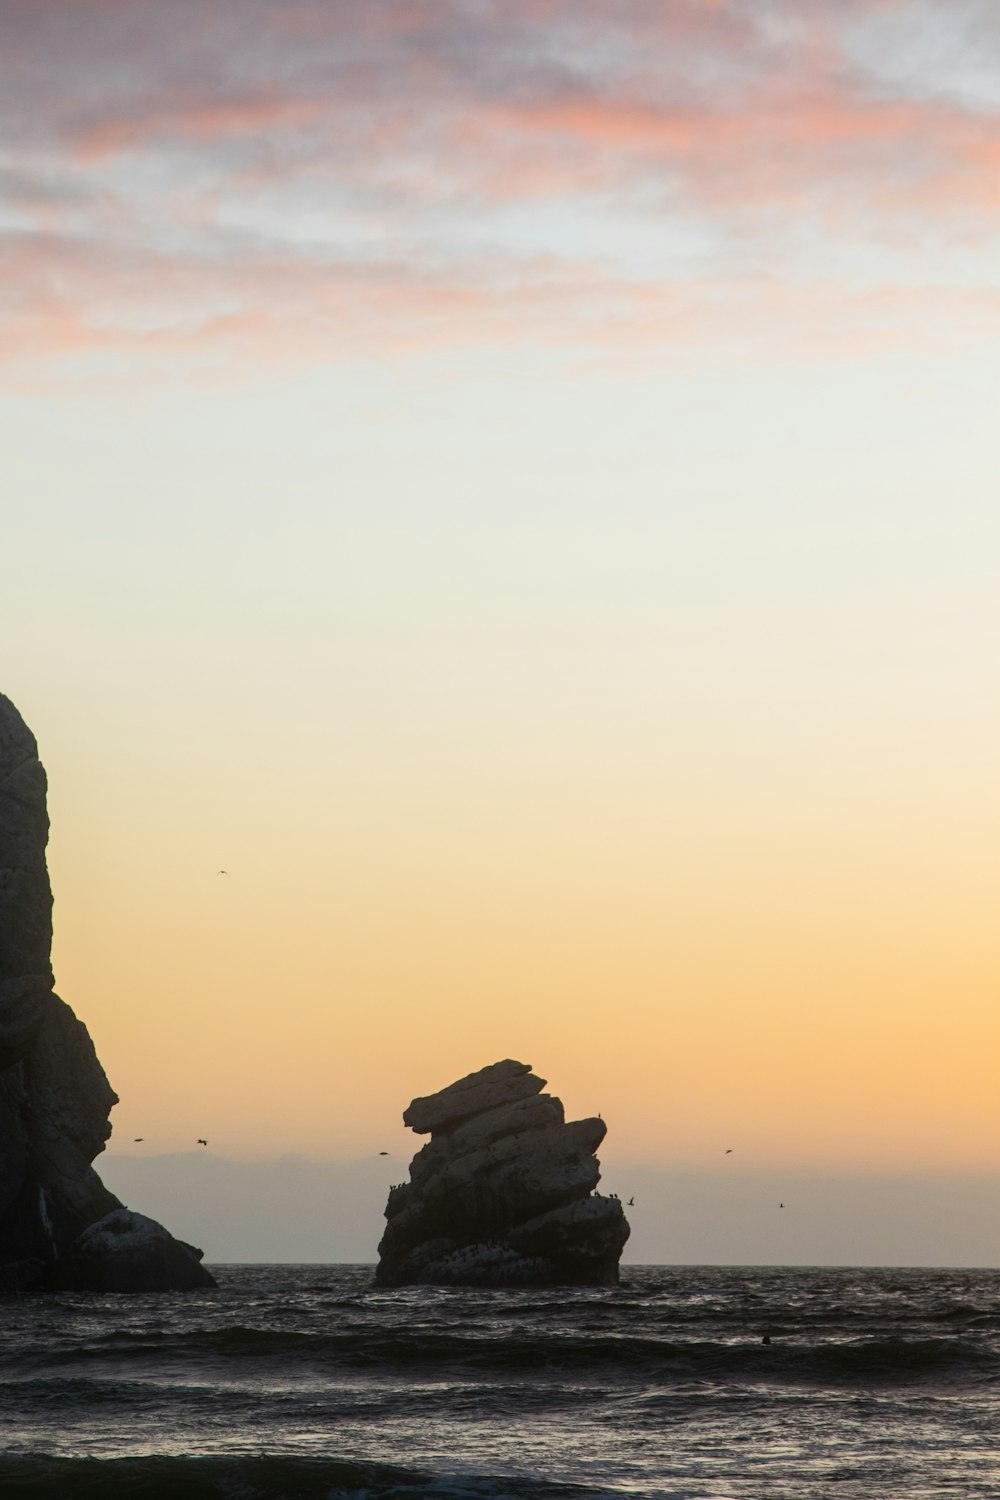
[789,123]
[616,123]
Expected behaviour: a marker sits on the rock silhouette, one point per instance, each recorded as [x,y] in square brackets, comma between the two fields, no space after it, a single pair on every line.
[54,1096]
[503,1192]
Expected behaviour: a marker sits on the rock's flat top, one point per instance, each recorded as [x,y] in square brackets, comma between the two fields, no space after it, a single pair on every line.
[500,1083]
[503,1194]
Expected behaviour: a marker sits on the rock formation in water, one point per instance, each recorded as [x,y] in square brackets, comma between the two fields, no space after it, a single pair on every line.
[503,1192]
[59,1224]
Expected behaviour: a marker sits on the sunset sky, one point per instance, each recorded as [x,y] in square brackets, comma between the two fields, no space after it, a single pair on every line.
[516,486]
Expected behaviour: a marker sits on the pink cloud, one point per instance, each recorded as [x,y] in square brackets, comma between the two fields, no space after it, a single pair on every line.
[443,92]
[306,177]
[276,308]
[197,119]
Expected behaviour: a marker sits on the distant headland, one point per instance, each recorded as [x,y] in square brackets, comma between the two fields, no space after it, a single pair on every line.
[503,1193]
[60,1227]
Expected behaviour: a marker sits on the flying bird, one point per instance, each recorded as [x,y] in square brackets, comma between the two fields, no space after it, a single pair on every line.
[222,872]
[781,1205]
[383,1153]
[629,1203]
[202,1142]
[728,1151]
[139,1138]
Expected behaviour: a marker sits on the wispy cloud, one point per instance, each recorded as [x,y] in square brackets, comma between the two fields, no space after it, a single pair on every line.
[301,179]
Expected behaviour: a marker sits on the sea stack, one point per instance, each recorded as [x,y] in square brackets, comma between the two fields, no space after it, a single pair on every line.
[60,1227]
[503,1192]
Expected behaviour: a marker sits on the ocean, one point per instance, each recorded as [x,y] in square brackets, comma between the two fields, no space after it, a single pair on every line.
[306,1383]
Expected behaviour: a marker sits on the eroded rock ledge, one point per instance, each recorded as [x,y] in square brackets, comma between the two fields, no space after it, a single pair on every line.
[59,1224]
[503,1192]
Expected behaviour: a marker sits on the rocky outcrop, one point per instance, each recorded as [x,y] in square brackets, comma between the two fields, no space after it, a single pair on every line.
[503,1192]
[54,1096]
[125,1252]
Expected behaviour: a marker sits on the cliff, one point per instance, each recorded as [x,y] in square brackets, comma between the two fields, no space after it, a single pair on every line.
[54,1096]
[503,1193]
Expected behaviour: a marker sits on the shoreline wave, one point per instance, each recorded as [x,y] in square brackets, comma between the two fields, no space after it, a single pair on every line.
[260,1477]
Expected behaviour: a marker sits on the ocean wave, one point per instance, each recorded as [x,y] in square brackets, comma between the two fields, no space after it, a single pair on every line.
[456,1355]
[39,1477]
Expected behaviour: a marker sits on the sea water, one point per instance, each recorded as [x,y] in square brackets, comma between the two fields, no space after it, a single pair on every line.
[306,1381]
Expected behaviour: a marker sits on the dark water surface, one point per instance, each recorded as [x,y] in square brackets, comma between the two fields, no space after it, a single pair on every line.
[304,1382]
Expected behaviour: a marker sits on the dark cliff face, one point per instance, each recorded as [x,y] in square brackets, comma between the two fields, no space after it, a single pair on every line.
[25,897]
[54,1096]
[503,1193]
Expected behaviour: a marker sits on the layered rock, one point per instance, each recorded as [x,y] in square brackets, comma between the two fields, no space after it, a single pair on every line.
[503,1194]
[54,1096]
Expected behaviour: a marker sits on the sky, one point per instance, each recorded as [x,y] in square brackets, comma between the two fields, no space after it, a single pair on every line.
[516,487]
